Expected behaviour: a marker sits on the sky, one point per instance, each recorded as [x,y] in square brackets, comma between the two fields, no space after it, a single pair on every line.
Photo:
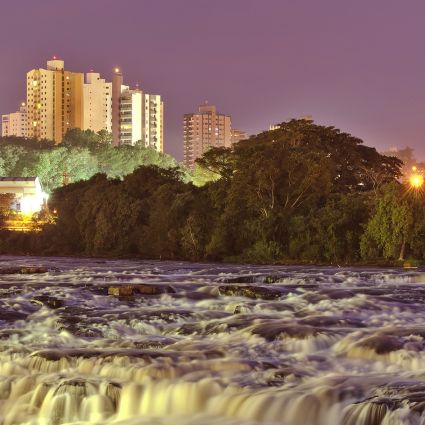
[357,65]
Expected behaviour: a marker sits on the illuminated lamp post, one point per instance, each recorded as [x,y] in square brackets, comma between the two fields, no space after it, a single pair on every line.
[416,181]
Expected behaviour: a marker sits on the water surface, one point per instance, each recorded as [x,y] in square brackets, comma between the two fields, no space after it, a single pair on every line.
[210,344]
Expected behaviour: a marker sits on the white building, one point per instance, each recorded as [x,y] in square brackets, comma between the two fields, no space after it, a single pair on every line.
[130,110]
[97,94]
[136,116]
[29,196]
[153,122]
[15,124]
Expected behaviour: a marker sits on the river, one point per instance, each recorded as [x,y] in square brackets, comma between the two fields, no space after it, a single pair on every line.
[125,342]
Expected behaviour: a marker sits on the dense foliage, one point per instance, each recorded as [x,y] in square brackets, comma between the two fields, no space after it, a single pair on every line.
[81,155]
[303,192]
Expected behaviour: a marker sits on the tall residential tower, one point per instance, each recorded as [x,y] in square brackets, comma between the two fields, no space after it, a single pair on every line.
[136,116]
[97,103]
[204,130]
[59,100]
[54,101]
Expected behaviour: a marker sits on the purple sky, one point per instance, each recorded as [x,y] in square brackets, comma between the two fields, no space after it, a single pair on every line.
[358,65]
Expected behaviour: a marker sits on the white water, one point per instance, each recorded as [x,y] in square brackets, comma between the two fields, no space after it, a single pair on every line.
[228,345]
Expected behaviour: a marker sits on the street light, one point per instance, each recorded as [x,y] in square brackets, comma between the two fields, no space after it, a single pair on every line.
[416,181]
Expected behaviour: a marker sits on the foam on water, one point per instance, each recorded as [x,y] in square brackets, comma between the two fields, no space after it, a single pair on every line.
[215,344]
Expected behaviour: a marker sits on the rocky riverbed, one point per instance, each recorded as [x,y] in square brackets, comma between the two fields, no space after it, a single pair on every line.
[126,342]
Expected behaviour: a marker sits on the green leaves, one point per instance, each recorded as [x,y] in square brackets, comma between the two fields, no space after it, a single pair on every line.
[81,155]
[397,226]
[303,192]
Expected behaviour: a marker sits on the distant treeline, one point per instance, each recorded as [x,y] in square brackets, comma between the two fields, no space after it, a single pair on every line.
[81,155]
[303,192]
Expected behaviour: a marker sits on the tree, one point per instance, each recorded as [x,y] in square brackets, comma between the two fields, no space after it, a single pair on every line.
[217,160]
[76,137]
[391,229]
[303,192]
[10,156]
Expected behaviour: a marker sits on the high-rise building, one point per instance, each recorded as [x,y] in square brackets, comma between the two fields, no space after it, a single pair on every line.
[136,116]
[15,124]
[130,131]
[97,103]
[54,101]
[204,130]
[153,122]
[117,89]
[59,100]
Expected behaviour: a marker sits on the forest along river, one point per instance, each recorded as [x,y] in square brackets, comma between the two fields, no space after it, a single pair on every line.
[168,343]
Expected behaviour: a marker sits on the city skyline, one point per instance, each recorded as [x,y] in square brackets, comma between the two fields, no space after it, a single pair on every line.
[58,100]
[262,63]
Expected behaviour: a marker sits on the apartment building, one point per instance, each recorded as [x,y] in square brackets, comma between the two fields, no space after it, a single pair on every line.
[153,122]
[136,116]
[130,113]
[59,100]
[15,123]
[238,135]
[203,130]
[97,101]
[54,101]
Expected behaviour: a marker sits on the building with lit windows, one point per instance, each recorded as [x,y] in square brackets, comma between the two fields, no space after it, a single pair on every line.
[153,122]
[54,101]
[15,123]
[59,100]
[130,109]
[238,135]
[136,116]
[203,130]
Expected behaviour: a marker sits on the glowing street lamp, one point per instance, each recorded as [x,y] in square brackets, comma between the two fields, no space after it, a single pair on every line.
[416,181]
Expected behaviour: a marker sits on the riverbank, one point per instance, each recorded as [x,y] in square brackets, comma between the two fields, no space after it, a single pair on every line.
[406,264]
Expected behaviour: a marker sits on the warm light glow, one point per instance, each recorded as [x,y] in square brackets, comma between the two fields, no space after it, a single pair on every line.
[416,181]
[117,70]
[414,168]
[30,204]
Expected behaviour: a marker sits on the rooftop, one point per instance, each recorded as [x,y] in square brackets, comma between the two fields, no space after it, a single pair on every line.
[17,179]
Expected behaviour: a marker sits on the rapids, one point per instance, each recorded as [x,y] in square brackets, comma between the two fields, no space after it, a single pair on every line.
[205,344]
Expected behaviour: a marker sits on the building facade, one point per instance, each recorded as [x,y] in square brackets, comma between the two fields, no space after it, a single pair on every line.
[238,135]
[130,113]
[54,101]
[203,130]
[153,122]
[59,100]
[117,89]
[136,116]
[97,101]
[15,124]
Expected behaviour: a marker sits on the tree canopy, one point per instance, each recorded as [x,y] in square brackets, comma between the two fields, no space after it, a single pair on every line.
[81,155]
[302,192]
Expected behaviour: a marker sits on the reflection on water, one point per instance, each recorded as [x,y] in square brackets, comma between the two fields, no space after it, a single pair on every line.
[202,344]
